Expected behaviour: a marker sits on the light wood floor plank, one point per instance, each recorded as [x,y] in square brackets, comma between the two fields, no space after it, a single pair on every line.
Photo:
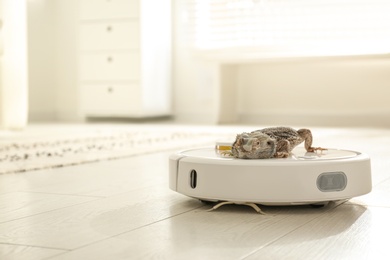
[16,205]
[228,233]
[16,252]
[79,225]
[348,232]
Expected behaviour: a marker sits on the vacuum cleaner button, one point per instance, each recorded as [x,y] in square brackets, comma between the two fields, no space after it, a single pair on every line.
[193,179]
[332,181]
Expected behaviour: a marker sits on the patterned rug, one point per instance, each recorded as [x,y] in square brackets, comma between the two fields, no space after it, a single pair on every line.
[42,152]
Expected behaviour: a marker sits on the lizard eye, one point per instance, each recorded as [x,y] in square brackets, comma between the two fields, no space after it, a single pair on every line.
[269,143]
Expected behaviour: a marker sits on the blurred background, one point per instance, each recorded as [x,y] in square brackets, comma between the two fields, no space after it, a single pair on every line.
[265,62]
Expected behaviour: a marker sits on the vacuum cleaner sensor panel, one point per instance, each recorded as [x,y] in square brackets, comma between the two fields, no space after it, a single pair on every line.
[303,178]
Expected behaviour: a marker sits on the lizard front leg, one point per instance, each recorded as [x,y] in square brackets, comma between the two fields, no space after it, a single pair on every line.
[306,135]
[283,149]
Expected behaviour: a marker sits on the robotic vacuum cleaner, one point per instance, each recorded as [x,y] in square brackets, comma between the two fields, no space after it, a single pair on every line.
[302,178]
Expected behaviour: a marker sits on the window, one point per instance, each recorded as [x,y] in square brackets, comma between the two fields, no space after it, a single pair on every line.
[290,27]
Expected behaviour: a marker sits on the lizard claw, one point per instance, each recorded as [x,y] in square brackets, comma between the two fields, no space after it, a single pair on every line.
[281,155]
[315,149]
[226,154]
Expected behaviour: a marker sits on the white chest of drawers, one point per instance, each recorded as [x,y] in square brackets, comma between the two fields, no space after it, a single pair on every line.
[125,58]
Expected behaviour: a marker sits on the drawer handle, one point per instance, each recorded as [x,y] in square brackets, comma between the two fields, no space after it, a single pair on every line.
[109,28]
[109,59]
[110,89]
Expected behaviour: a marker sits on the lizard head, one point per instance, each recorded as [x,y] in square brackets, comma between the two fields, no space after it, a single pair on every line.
[253,146]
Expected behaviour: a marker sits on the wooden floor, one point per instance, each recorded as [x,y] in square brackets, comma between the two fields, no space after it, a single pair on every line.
[123,209]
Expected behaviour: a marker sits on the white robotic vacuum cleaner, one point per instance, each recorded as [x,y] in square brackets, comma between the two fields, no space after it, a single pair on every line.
[302,178]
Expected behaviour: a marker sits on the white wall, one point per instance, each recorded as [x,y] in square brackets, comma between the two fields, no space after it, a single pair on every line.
[53,60]
[41,60]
